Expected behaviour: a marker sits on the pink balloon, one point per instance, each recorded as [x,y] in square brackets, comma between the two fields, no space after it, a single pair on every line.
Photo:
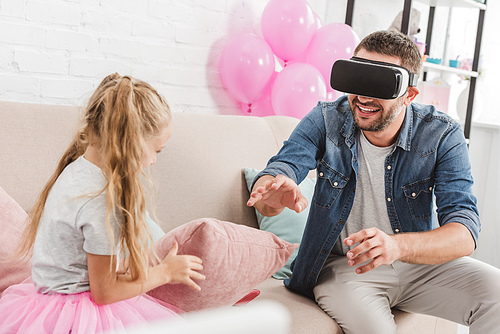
[333,95]
[288,26]
[330,43]
[247,64]
[260,108]
[297,89]
[263,106]
[319,22]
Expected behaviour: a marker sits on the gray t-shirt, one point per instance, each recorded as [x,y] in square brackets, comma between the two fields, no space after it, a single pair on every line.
[369,208]
[74,224]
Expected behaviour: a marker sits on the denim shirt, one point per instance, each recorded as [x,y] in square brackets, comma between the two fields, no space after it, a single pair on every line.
[430,158]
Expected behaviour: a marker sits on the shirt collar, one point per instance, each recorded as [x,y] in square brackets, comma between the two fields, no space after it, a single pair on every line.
[404,138]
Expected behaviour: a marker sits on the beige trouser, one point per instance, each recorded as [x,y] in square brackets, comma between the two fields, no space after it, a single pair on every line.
[464,290]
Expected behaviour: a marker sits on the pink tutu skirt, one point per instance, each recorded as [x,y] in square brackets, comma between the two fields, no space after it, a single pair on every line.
[23,310]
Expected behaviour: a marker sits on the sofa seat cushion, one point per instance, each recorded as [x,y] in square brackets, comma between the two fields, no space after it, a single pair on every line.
[308,317]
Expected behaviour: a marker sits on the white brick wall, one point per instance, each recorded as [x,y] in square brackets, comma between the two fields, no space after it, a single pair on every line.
[20,32]
[55,51]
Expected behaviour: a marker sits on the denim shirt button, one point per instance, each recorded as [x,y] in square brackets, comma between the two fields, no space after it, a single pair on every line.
[335,184]
[396,230]
[321,174]
[389,167]
[389,199]
[341,222]
[413,195]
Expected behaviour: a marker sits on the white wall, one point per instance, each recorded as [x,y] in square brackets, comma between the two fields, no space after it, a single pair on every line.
[485,159]
[57,51]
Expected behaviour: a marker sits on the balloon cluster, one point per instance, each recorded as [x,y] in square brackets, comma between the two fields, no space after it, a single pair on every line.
[306,50]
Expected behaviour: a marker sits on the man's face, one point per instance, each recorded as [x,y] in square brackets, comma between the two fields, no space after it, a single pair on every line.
[374,114]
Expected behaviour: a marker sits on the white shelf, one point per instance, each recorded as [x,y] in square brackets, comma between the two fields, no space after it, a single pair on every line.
[441,68]
[454,3]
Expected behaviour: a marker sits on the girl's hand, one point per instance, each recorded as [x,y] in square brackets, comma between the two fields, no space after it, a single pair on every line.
[107,286]
[182,269]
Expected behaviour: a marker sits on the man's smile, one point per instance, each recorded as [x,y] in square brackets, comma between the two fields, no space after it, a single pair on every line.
[366,110]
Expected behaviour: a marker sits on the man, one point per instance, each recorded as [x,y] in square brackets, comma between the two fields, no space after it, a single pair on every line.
[371,242]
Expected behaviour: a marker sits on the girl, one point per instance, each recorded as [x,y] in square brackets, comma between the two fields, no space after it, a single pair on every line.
[92,213]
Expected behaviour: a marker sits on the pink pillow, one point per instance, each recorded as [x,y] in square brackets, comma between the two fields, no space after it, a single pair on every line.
[235,257]
[12,222]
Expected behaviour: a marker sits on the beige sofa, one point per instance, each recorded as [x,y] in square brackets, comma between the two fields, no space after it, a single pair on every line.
[198,175]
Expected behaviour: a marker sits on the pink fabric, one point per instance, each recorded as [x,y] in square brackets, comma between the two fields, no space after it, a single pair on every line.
[236,258]
[12,222]
[23,310]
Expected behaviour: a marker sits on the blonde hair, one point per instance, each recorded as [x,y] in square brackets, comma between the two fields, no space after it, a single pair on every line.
[121,114]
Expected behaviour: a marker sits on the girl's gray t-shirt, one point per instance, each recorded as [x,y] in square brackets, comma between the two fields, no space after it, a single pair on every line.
[74,224]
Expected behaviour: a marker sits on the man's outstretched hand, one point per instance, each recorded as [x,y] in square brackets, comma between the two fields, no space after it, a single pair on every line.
[271,195]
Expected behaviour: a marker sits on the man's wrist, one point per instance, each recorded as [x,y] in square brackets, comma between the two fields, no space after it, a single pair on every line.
[403,249]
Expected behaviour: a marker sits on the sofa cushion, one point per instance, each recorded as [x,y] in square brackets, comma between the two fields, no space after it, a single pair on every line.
[12,222]
[288,225]
[307,316]
[236,258]
[199,172]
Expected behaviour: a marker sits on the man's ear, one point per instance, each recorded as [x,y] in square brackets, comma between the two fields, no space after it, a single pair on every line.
[411,94]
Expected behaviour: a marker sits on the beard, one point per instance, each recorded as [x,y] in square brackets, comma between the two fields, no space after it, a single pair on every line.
[385,117]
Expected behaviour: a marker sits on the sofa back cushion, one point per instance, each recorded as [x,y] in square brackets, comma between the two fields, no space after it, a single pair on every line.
[32,139]
[199,174]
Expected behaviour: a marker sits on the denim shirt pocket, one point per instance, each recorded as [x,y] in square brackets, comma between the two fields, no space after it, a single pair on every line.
[329,184]
[419,198]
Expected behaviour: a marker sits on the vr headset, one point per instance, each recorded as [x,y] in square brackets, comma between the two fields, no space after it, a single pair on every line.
[371,78]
